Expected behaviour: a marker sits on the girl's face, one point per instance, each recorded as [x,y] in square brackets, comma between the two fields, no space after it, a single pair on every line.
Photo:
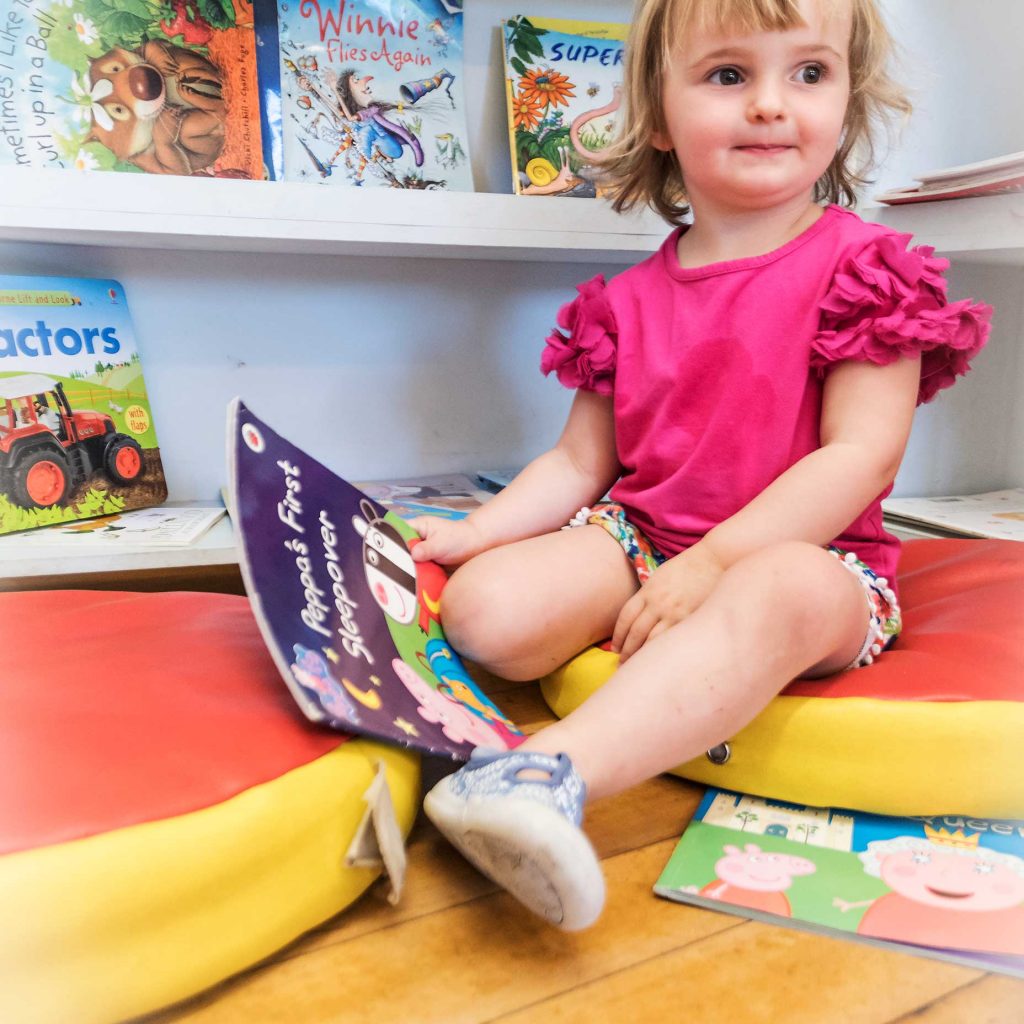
[755,120]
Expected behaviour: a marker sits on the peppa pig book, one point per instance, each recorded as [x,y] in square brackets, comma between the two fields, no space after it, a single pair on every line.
[950,887]
[349,618]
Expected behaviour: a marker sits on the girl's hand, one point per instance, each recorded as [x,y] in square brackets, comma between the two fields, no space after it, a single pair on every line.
[674,590]
[446,541]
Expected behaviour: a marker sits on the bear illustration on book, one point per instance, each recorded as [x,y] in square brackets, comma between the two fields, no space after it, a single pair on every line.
[159,107]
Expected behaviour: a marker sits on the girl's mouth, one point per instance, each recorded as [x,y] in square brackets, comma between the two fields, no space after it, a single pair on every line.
[763,150]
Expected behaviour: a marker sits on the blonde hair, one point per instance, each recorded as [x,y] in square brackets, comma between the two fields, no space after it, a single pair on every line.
[634,172]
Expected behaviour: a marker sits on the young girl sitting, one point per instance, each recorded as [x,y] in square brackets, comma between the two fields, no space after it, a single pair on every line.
[746,392]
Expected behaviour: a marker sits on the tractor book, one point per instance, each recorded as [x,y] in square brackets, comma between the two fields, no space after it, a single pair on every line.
[76,429]
[949,887]
[351,621]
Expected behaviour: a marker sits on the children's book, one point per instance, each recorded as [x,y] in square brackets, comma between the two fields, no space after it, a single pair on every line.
[373,93]
[997,514]
[986,177]
[347,615]
[451,495]
[166,526]
[563,85]
[948,887]
[158,86]
[76,430]
[496,480]
[268,77]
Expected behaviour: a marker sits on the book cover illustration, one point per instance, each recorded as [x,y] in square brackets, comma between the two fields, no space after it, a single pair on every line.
[449,495]
[997,514]
[164,526]
[349,618]
[268,77]
[951,886]
[563,82]
[143,86]
[372,93]
[77,438]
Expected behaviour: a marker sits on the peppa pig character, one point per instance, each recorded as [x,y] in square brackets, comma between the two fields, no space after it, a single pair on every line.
[312,672]
[756,879]
[457,723]
[949,892]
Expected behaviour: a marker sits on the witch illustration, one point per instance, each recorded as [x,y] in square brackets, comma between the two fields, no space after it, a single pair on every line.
[377,134]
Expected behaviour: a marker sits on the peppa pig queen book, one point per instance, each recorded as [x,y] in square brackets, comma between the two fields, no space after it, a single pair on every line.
[950,887]
[349,618]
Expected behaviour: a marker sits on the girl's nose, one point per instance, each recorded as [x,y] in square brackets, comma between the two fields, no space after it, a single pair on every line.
[766,104]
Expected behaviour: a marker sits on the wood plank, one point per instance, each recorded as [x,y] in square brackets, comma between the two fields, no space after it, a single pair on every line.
[439,878]
[758,972]
[466,964]
[991,999]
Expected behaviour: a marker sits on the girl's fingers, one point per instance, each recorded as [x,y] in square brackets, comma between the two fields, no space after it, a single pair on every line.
[630,610]
[638,633]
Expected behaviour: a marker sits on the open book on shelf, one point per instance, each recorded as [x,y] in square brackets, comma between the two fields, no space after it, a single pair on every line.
[171,525]
[945,887]
[986,177]
[350,619]
[450,495]
[998,514]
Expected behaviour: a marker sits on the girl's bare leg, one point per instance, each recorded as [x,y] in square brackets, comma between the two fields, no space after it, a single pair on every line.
[523,609]
[785,611]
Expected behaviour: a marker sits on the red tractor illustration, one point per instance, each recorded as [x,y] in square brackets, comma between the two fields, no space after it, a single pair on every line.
[46,450]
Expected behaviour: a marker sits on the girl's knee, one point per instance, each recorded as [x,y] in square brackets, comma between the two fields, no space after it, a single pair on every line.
[471,614]
[793,576]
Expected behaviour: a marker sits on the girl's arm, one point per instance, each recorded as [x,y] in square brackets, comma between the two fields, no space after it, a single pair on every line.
[865,422]
[552,488]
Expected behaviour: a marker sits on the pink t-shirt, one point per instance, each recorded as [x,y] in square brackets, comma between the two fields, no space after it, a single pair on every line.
[717,371]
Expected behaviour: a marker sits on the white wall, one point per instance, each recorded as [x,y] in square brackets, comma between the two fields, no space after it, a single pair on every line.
[963,64]
[378,367]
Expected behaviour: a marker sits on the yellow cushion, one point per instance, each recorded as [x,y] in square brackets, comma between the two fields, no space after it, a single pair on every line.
[936,726]
[169,817]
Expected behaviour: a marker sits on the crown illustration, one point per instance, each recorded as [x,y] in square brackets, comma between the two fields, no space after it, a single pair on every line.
[959,839]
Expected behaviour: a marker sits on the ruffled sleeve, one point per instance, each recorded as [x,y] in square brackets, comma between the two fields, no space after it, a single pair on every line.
[585,356]
[889,302]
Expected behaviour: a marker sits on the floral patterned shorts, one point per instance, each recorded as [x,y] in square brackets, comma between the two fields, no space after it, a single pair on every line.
[885,620]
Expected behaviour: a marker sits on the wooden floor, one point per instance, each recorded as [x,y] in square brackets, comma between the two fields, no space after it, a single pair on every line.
[458,950]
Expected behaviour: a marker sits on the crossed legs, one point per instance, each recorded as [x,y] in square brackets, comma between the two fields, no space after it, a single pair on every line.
[782,612]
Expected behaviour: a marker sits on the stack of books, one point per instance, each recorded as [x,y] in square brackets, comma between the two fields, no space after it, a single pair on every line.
[984,178]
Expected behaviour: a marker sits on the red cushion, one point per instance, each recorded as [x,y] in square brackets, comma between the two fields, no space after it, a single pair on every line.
[963,628]
[120,708]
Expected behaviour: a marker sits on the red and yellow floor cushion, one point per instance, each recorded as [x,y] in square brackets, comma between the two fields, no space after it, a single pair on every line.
[167,817]
[935,726]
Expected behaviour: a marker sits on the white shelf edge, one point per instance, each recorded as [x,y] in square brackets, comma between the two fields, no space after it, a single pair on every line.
[285,217]
[215,547]
[978,229]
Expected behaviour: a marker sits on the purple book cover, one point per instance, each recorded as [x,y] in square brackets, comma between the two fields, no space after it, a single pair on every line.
[349,618]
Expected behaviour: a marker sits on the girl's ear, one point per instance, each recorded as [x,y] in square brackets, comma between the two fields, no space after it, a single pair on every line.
[661,141]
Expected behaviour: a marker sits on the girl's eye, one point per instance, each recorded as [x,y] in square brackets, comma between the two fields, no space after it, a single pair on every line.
[811,74]
[726,76]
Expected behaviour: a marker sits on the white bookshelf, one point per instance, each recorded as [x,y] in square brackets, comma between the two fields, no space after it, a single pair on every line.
[222,215]
[985,229]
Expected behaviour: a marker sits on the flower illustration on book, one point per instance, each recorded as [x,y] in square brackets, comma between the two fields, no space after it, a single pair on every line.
[527,110]
[548,87]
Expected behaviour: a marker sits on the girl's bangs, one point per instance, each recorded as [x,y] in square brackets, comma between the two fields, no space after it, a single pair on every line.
[740,17]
